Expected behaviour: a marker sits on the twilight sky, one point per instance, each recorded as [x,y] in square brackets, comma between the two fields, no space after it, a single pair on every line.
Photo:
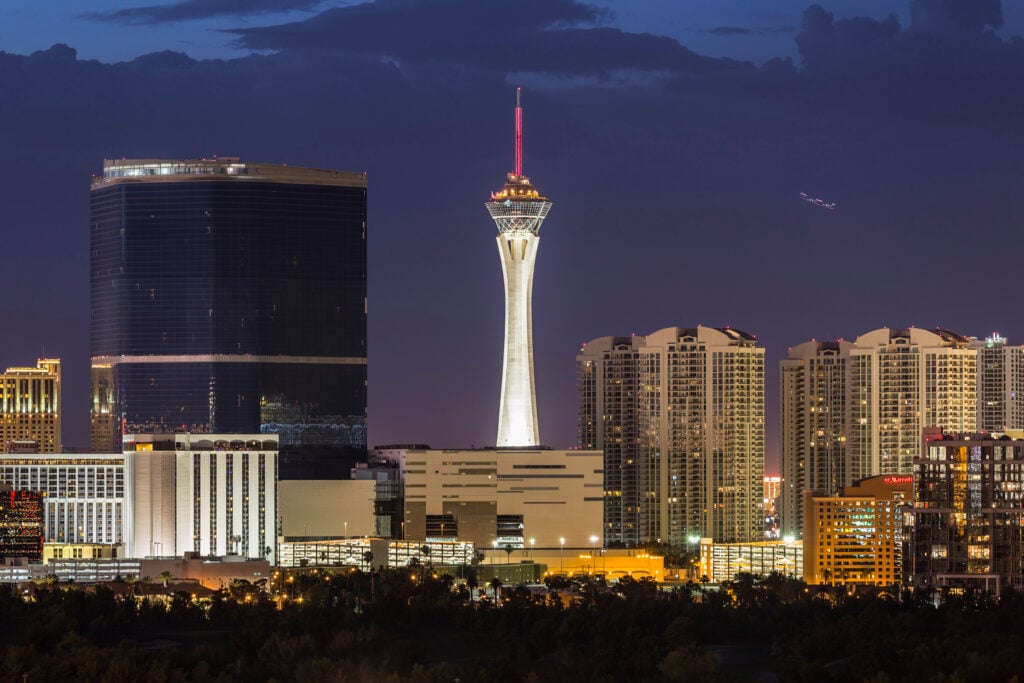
[673,137]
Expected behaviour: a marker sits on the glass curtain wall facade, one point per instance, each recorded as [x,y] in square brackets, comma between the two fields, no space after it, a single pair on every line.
[229,297]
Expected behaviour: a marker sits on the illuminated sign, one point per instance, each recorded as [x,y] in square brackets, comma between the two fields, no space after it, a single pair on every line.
[899,480]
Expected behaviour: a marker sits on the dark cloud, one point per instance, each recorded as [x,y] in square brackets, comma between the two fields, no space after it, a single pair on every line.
[673,204]
[188,10]
[944,16]
[744,31]
[730,31]
[964,76]
[549,36]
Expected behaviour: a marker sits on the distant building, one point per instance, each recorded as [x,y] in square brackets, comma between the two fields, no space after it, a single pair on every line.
[21,524]
[229,297]
[723,561]
[504,497]
[84,494]
[901,381]
[30,407]
[679,415]
[853,410]
[79,551]
[325,510]
[814,426]
[968,512]
[222,489]
[386,468]
[856,536]
[1000,384]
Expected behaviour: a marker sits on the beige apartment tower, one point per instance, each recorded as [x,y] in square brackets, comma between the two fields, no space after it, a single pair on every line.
[30,399]
[680,416]
[1000,384]
[813,411]
[901,381]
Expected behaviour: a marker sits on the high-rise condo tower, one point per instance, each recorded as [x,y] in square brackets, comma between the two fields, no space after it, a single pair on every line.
[518,210]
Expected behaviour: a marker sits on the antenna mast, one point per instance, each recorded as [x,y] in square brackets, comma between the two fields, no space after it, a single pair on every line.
[519,133]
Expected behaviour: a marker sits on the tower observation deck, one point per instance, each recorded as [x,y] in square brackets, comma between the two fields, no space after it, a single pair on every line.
[518,210]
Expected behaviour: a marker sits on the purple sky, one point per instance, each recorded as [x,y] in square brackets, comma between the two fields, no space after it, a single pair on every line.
[674,167]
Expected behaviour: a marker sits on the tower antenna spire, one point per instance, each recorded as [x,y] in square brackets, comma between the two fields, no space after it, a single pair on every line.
[519,132]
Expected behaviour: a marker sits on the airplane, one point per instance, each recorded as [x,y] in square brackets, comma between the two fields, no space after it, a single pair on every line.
[817,201]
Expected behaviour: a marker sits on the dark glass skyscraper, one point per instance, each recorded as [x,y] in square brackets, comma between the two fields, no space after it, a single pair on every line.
[229,297]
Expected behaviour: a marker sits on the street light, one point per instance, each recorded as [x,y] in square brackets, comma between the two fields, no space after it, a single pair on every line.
[346,529]
[532,541]
[494,550]
[561,555]
[593,553]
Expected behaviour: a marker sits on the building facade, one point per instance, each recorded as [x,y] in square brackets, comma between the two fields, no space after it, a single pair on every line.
[968,512]
[680,415]
[814,417]
[899,382]
[229,297]
[1000,384]
[856,536]
[30,407]
[723,561]
[21,524]
[518,210]
[220,488]
[515,498]
[84,494]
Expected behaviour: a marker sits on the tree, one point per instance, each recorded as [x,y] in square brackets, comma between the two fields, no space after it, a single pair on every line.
[508,552]
[495,585]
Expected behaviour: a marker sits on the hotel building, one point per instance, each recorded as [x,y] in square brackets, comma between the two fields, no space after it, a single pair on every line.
[84,495]
[856,536]
[229,297]
[204,493]
[30,406]
[679,415]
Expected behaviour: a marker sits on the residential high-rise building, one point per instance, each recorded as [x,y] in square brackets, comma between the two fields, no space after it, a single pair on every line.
[518,210]
[1000,384]
[813,410]
[899,382]
[229,297]
[680,416]
[30,407]
[968,512]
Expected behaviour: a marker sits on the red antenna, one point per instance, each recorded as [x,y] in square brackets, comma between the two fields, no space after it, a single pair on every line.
[519,133]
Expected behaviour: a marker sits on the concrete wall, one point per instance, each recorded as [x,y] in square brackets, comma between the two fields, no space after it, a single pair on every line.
[321,509]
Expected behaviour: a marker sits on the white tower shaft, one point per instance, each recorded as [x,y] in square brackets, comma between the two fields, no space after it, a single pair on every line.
[517,414]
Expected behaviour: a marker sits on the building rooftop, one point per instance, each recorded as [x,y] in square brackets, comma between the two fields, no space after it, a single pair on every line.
[117,171]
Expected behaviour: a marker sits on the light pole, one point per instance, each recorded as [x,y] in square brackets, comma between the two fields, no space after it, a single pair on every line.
[532,541]
[561,555]
[694,541]
[494,550]
[346,529]
[593,554]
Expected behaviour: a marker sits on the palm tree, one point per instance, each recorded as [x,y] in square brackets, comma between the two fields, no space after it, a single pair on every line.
[495,585]
[508,552]
[368,558]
